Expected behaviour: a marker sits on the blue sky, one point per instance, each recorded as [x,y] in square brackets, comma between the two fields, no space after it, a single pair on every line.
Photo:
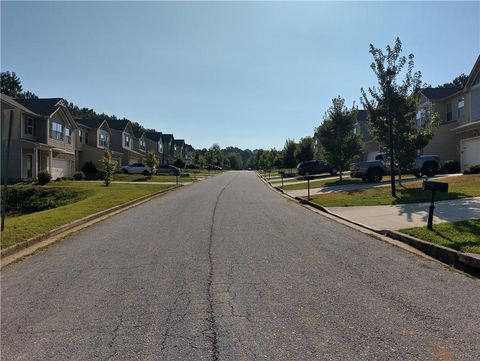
[248,74]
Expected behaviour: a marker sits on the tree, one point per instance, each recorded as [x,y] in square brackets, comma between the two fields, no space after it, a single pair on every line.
[395,102]
[458,82]
[235,160]
[11,84]
[289,160]
[152,160]
[214,155]
[179,163]
[304,150]
[109,167]
[339,143]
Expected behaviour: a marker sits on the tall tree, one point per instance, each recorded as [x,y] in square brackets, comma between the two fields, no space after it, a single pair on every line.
[235,160]
[339,143]
[304,150]
[10,84]
[395,102]
[458,82]
[289,160]
[214,155]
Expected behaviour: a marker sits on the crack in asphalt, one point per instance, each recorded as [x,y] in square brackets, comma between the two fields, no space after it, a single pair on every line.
[211,319]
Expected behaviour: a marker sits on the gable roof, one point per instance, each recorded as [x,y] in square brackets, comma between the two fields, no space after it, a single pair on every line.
[44,107]
[361,115]
[137,131]
[471,76]
[167,137]
[14,104]
[118,124]
[156,136]
[439,93]
[91,123]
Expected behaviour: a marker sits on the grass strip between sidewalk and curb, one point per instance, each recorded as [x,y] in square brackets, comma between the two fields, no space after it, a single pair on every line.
[463,186]
[98,199]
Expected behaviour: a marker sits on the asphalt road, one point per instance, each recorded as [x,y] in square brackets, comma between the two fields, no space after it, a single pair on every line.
[227,269]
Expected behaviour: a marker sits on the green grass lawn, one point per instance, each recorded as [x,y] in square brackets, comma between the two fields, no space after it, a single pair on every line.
[95,198]
[459,187]
[155,178]
[318,183]
[462,236]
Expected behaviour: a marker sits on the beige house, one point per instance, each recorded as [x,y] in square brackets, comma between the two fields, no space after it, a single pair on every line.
[93,139]
[42,137]
[458,134]
[370,146]
[122,141]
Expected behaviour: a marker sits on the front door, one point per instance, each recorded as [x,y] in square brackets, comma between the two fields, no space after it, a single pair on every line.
[27,166]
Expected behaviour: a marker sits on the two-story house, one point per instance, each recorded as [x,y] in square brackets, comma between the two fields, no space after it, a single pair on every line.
[42,137]
[122,141]
[458,134]
[370,146]
[93,139]
[155,143]
[168,148]
[139,141]
[178,148]
[189,153]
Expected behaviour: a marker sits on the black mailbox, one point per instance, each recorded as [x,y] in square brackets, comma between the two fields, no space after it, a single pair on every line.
[435,186]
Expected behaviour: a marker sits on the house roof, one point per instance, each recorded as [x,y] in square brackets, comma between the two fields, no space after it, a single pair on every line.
[179,141]
[13,103]
[44,107]
[118,124]
[361,115]
[156,136]
[167,137]
[439,93]
[91,123]
[471,77]
[137,131]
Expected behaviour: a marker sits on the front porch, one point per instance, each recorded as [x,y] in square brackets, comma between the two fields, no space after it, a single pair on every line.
[35,159]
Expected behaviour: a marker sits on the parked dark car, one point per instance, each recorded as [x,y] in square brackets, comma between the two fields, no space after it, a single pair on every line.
[192,166]
[168,169]
[315,167]
[212,167]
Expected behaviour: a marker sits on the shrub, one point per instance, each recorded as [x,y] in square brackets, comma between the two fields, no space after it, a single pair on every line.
[109,167]
[474,169]
[90,170]
[179,163]
[44,177]
[450,166]
[78,176]
[24,200]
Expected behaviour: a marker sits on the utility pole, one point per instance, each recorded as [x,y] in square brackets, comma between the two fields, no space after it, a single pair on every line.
[390,73]
[5,169]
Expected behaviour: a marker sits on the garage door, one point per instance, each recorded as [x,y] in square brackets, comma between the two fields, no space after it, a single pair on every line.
[60,168]
[470,152]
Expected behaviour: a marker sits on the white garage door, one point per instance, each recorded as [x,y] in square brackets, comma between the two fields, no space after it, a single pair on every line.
[60,168]
[470,152]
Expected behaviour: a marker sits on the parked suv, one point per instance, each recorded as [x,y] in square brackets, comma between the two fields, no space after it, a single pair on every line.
[136,168]
[168,169]
[315,167]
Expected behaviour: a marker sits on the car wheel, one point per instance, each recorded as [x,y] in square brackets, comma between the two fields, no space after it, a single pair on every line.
[124,171]
[375,176]
[333,171]
[172,172]
[145,173]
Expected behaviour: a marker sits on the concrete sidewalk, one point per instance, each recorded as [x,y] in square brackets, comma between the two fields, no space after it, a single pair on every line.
[395,217]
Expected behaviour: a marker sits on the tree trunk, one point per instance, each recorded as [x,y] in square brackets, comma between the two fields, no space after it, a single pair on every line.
[399,176]
[340,170]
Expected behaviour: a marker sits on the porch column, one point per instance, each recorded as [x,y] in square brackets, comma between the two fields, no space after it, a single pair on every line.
[50,157]
[35,163]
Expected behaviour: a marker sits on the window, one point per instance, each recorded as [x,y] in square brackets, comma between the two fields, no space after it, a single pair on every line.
[461,108]
[160,147]
[142,144]
[421,118]
[80,136]
[56,130]
[449,112]
[86,137]
[127,140]
[29,126]
[68,135]
[103,140]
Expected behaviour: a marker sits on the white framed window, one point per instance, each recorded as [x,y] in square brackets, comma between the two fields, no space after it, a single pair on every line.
[56,130]
[127,140]
[103,140]
[421,117]
[142,145]
[80,136]
[461,108]
[29,126]
[449,112]
[68,135]
[160,147]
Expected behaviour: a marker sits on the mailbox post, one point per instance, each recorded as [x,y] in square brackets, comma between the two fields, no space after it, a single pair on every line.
[308,178]
[282,175]
[433,187]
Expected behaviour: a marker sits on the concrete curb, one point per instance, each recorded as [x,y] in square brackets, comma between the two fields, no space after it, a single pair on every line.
[74,226]
[451,257]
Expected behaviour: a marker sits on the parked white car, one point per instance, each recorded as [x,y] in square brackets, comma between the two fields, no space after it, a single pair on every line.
[136,168]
